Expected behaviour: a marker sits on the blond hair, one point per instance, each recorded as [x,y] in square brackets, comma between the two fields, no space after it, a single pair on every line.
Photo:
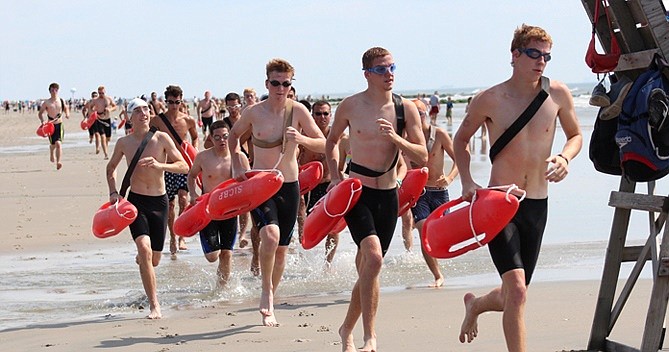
[524,34]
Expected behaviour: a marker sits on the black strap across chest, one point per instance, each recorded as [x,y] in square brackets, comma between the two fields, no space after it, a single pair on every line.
[174,132]
[522,120]
[126,179]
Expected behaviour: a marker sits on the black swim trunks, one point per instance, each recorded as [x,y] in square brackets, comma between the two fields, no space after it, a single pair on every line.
[374,214]
[283,205]
[313,196]
[175,182]
[58,133]
[517,245]
[151,218]
[219,235]
[206,123]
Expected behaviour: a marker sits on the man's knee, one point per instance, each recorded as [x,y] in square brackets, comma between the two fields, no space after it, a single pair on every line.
[514,288]
[372,254]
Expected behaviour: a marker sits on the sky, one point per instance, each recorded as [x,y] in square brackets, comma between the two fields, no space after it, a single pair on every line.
[135,47]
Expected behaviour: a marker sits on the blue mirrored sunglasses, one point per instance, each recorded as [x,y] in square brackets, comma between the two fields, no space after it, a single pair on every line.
[536,54]
[381,70]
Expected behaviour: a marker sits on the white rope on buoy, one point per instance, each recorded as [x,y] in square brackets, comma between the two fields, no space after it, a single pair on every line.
[509,188]
[348,204]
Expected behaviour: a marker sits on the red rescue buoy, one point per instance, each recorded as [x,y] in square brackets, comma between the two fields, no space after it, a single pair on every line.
[121,124]
[89,121]
[46,129]
[194,218]
[412,188]
[329,211]
[450,235]
[235,198]
[310,176]
[110,219]
[188,152]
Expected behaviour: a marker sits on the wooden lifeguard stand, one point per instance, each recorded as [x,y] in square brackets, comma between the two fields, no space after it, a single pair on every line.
[641,29]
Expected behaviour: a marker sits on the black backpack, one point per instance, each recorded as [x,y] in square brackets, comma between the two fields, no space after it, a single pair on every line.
[643,134]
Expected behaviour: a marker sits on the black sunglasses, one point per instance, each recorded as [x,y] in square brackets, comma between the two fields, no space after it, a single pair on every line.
[276,83]
[324,113]
[173,101]
[533,53]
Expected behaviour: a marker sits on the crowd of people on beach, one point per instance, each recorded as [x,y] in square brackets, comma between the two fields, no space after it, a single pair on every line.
[374,136]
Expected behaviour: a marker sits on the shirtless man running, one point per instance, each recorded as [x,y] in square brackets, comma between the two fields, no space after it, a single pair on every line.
[438,143]
[176,183]
[103,105]
[206,112]
[215,164]
[376,141]
[55,108]
[275,148]
[526,161]
[157,106]
[147,193]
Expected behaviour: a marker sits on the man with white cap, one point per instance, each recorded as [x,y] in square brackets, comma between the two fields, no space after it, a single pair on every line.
[158,154]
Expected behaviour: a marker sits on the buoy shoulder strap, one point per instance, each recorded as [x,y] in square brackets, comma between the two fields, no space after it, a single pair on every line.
[522,120]
[174,132]
[126,179]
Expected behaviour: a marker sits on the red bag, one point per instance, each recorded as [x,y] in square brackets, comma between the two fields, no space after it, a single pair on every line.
[602,63]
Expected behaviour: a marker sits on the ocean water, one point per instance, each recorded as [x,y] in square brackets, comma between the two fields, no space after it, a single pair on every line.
[39,288]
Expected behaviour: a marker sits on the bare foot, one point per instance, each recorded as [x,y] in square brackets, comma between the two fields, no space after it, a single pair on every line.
[469,328]
[370,345]
[52,158]
[347,344]
[267,309]
[155,313]
[182,244]
[243,242]
[97,151]
[59,166]
[173,246]
[437,283]
[269,320]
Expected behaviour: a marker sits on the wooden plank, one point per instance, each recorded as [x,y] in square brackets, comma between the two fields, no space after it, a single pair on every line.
[657,20]
[610,272]
[631,40]
[612,346]
[636,201]
[636,61]
[632,279]
[657,308]
[632,253]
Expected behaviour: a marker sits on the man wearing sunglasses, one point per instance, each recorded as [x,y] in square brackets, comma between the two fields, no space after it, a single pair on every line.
[526,161]
[275,147]
[176,184]
[376,142]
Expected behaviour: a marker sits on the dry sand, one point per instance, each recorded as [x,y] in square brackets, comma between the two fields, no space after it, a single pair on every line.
[35,198]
